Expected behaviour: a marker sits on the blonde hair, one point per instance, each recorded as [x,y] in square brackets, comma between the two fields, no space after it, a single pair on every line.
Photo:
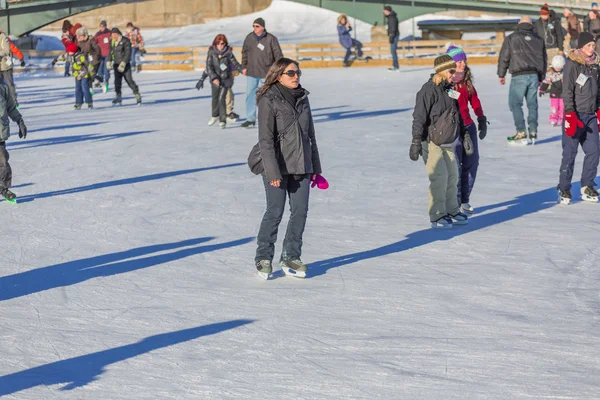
[438,78]
[342,16]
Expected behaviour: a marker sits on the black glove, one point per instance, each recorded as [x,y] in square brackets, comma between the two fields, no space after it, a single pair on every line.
[540,93]
[22,63]
[54,62]
[415,150]
[200,84]
[22,129]
[482,126]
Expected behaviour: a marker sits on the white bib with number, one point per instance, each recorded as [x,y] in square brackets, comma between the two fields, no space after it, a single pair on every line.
[453,94]
[105,40]
[582,79]
[261,46]
[223,67]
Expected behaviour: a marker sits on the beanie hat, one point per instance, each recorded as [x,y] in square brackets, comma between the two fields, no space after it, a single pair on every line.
[545,10]
[72,48]
[117,31]
[585,38]
[387,8]
[558,62]
[456,53]
[260,21]
[103,23]
[443,63]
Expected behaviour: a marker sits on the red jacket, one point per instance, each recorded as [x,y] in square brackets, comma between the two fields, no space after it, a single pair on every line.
[70,36]
[464,100]
[103,39]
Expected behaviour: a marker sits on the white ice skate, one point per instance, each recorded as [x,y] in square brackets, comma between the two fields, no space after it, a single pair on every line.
[264,269]
[442,223]
[564,197]
[467,208]
[590,194]
[212,121]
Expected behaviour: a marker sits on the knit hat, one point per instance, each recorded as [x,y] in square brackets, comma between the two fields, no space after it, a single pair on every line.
[545,10]
[443,63]
[103,23]
[72,48]
[585,38]
[558,62]
[387,8]
[456,53]
[117,31]
[259,21]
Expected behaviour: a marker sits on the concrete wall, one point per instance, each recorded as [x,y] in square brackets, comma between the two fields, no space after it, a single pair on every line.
[166,13]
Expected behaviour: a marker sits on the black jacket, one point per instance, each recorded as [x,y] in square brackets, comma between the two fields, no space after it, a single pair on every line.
[121,51]
[554,88]
[91,48]
[432,101]
[523,52]
[392,26]
[286,136]
[551,31]
[259,54]
[581,98]
[592,25]
[221,66]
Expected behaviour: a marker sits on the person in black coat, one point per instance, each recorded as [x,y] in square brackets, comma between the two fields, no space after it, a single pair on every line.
[393,31]
[121,59]
[290,159]
[549,28]
[220,64]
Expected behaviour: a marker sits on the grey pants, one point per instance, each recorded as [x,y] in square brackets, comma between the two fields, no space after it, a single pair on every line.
[7,76]
[5,171]
[298,192]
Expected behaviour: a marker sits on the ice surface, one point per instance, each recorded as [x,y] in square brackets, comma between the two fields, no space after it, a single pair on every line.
[127,268]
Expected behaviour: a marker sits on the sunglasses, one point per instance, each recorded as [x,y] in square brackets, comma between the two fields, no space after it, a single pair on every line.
[452,71]
[221,44]
[291,73]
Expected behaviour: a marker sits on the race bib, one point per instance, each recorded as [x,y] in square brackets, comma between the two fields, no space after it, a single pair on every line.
[582,79]
[453,94]
[261,46]
[223,67]
[105,40]
[550,26]
[90,58]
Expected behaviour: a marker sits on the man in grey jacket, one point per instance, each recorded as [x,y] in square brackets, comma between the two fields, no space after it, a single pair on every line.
[8,108]
[260,51]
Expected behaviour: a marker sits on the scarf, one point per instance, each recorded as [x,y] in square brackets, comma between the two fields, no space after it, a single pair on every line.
[220,53]
[290,95]
[458,76]
[588,60]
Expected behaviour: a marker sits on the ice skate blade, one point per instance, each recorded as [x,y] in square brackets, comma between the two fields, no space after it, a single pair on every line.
[13,201]
[454,222]
[263,275]
[521,142]
[294,273]
[589,199]
[564,202]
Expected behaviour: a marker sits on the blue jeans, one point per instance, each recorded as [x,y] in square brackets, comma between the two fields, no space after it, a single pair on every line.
[524,86]
[359,52]
[467,165]
[134,51]
[82,89]
[103,71]
[67,68]
[394,50]
[252,85]
[590,143]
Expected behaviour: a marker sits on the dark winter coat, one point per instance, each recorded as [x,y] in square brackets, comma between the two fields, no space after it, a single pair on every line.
[103,39]
[221,67]
[258,54]
[581,98]
[432,101]
[551,31]
[121,51]
[91,49]
[344,36]
[286,136]
[8,109]
[392,26]
[523,52]
[592,25]
[553,83]
[573,26]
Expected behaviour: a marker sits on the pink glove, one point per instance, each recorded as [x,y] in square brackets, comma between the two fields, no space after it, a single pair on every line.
[319,182]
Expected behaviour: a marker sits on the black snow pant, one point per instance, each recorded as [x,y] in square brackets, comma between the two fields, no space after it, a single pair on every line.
[5,170]
[128,78]
[7,77]
[590,143]
[298,192]
[219,106]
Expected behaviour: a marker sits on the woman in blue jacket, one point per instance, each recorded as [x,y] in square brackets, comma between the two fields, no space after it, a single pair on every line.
[346,40]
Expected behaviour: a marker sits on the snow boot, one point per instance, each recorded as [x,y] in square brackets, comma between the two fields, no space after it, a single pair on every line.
[519,139]
[248,124]
[8,195]
[590,194]
[564,197]
[138,98]
[295,268]
[264,269]
[442,223]
[117,101]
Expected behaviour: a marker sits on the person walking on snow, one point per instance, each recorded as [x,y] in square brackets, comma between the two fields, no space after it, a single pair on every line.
[290,160]
[582,108]
[259,52]
[344,28]
[553,84]
[219,63]
[8,109]
[467,164]
[523,54]
[393,32]
[103,37]
[137,44]
[549,28]
[82,72]
[437,122]
[120,58]
[6,63]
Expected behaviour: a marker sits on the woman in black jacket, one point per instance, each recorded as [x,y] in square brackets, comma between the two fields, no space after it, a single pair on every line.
[290,157]
[220,64]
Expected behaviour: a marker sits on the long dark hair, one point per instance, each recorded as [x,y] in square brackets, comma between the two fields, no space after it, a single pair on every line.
[274,73]
[220,38]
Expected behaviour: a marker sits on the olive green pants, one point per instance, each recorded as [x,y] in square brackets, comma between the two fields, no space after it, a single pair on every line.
[442,171]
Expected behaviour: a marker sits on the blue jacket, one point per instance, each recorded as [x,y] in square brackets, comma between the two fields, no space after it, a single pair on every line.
[344,34]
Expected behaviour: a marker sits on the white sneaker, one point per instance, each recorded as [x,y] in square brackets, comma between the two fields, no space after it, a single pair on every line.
[467,208]
[212,121]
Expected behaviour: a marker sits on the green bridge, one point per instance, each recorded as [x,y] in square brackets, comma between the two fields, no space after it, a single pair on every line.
[18,17]
[371,10]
